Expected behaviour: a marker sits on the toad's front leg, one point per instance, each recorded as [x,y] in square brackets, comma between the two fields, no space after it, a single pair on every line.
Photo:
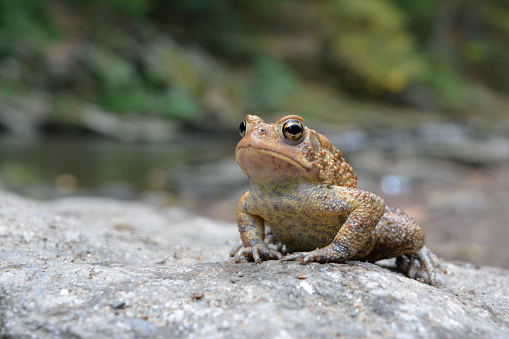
[355,237]
[252,234]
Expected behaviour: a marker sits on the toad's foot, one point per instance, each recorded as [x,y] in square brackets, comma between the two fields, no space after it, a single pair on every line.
[257,253]
[235,249]
[325,254]
[423,261]
[270,239]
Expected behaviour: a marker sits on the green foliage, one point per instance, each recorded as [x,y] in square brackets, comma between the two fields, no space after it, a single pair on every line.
[27,19]
[419,17]
[447,84]
[228,27]
[177,104]
[173,66]
[19,175]
[186,58]
[215,23]
[111,70]
[180,104]
[368,39]
[136,8]
[495,50]
[271,83]
[132,6]
[19,17]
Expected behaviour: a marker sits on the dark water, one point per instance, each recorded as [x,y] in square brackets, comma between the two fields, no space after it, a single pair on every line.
[44,166]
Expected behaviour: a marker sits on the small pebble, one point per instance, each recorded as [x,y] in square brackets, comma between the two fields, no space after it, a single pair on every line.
[198,296]
[301,276]
[118,305]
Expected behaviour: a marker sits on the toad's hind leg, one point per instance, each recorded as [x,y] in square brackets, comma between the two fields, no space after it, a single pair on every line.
[397,235]
[423,260]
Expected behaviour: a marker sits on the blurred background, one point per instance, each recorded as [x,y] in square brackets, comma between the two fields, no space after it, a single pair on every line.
[141,100]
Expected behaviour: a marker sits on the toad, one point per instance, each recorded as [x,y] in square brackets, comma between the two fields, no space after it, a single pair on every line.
[305,191]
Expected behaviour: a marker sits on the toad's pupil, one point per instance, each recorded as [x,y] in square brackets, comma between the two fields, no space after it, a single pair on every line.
[242,128]
[293,129]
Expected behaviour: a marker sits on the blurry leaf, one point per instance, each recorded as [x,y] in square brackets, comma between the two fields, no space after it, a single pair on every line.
[180,104]
[112,70]
[271,83]
[447,84]
[173,65]
[176,103]
[136,7]
[107,8]
[19,175]
[498,16]
[368,39]
[24,21]
[419,17]
[134,100]
[66,108]
[474,51]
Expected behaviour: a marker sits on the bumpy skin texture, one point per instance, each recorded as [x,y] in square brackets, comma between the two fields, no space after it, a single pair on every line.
[302,187]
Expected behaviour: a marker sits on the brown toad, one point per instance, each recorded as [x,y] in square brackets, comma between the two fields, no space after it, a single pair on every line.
[302,187]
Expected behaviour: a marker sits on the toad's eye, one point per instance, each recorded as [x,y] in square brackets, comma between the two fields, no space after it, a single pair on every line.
[242,128]
[293,130]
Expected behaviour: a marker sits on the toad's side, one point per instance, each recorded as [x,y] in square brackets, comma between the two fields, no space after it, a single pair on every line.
[303,188]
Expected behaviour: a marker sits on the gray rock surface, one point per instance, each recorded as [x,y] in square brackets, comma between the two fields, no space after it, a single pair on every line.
[95,268]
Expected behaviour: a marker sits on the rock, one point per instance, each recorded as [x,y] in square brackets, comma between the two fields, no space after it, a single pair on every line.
[211,178]
[89,267]
[22,114]
[134,128]
[458,143]
[490,152]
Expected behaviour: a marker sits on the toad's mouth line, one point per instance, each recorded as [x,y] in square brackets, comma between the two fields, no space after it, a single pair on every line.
[275,155]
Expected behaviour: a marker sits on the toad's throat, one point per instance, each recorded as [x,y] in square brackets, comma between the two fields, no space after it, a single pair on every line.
[277,155]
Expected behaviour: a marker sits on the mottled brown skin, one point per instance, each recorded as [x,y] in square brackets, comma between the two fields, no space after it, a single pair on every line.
[302,187]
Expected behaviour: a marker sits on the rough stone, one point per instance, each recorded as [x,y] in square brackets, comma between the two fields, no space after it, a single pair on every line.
[89,267]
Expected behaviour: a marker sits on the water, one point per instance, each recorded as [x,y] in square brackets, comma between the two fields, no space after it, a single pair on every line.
[39,166]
